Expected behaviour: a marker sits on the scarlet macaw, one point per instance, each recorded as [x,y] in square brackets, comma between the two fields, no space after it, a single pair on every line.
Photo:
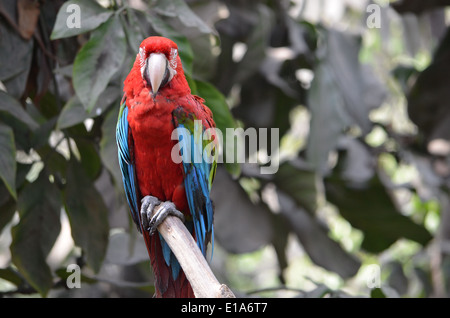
[157,100]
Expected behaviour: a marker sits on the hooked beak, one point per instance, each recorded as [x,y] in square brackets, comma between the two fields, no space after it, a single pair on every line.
[156,73]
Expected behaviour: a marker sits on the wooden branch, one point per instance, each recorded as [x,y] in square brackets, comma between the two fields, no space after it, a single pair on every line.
[197,270]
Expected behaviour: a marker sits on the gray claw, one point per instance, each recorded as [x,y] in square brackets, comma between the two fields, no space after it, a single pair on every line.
[147,206]
[167,208]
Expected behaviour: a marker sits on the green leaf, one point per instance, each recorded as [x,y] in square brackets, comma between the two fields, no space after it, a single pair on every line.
[370,208]
[180,10]
[428,96]
[10,105]
[40,136]
[90,159]
[10,275]
[88,215]
[377,293]
[64,275]
[133,30]
[357,83]
[8,159]
[252,227]
[256,46]
[77,17]
[316,241]
[8,210]
[184,47]
[7,207]
[97,62]
[352,92]
[16,55]
[301,183]
[328,119]
[108,147]
[125,250]
[74,113]
[39,206]
[222,117]
[55,162]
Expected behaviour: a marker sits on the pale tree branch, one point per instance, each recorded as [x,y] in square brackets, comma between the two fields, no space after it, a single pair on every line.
[197,270]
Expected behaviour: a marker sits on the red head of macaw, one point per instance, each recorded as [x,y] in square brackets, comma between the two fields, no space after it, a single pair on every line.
[158,101]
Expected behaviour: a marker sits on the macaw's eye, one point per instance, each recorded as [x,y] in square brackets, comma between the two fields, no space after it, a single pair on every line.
[173,58]
[142,55]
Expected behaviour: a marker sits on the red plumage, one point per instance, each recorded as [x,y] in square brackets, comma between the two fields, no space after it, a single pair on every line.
[151,124]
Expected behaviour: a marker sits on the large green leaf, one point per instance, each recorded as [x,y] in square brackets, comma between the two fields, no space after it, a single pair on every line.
[74,113]
[328,118]
[299,193]
[15,54]
[180,10]
[133,29]
[370,208]
[39,206]
[352,91]
[8,159]
[125,249]
[11,275]
[418,6]
[88,13]
[240,225]
[256,46]
[222,117]
[7,207]
[301,183]
[136,31]
[10,105]
[87,214]
[98,60]
[108,148]
[184,47]
[356,84]
[314,237]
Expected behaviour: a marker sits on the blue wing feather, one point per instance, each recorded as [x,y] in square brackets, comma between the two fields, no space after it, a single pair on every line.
[197,177]
[126,165]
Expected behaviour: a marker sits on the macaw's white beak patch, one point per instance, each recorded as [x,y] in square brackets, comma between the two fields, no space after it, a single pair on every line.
[157,71]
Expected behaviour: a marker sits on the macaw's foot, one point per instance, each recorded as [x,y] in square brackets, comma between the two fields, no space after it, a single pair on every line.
[149,222]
